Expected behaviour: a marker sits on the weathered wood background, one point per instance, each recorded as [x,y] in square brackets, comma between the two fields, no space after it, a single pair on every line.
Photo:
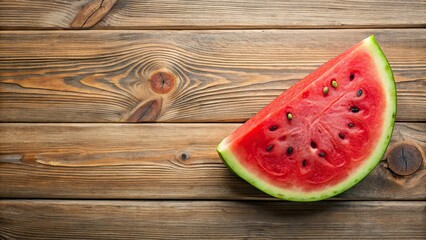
[110,112]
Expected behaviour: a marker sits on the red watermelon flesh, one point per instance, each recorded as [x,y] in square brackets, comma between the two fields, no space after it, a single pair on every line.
[324,134]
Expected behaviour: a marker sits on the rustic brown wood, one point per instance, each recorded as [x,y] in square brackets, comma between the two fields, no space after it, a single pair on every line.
[404,159]
[162,82]
[103,76]
[167,14]
[155,161]
[43,219]
[92,13]
[148,111]
[175,185]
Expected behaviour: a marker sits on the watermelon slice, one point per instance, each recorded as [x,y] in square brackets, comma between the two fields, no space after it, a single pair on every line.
[324,134]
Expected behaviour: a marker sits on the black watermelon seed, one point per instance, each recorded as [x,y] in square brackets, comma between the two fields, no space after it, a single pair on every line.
[354,109]
[341,135]
[351,125]
[359,93]
[273,128]
[269,148]
[289,150]
[322,154]
[352,76]
[304,163]
[313,144]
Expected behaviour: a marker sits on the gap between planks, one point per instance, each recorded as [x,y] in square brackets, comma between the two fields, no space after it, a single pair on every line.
[239,28]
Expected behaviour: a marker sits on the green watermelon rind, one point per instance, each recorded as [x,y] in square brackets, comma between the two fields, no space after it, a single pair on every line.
[388,81]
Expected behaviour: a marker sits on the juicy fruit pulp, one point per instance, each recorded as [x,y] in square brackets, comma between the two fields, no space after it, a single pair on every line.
[324,134]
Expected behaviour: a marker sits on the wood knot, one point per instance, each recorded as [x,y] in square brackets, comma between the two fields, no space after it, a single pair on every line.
[183,156]
[146,112]
[92,13]
[162,82]
[404,159]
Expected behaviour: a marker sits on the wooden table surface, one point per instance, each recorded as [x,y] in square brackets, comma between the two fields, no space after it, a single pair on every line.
[111,110]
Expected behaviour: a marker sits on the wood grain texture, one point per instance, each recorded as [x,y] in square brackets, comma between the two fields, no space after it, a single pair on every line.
[220,14]
[92,13]
[107,76]
[24,219]
[156,161]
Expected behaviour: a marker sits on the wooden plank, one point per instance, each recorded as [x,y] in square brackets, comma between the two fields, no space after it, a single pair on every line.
[45,219]
[156,161]
[222,14]
[181,76]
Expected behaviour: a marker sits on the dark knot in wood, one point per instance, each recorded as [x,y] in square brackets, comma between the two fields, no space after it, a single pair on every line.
[147,112]
[404,159]
[183,156]
[92,13]
[162,82]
